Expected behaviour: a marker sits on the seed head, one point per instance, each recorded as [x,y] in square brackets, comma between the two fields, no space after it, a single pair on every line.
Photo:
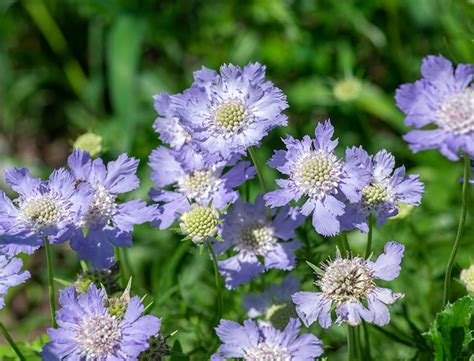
[199,223]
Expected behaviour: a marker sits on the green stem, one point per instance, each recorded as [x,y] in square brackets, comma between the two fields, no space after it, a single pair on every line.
[220,302]
[123,266]
[462,222]
[345,241]
[365,328]
[258,168]
[368,248]
[394,337]
[11,342]
[52,298]
[350,343]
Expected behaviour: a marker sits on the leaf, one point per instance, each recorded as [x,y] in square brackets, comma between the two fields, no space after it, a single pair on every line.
[177,352]
[450,332]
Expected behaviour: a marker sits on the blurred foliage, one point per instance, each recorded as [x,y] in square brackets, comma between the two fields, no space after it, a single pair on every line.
[68,67]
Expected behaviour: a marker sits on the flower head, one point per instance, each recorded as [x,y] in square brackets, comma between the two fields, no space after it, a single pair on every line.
[247,230]
[89,331]
[193,180]
[274,304]
[42,209]
[90,142]
[467,277]
[199,223]
[317,175]
[258,343]
[228,112]
[106,222]
[10,275]
[348,285]
[387,190]
[107,278]
[168,124]
[157,351]
[443,98]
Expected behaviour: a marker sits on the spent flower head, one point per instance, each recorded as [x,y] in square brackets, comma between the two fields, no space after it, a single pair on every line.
[157,350]
[381,198]
[106,222]
[88,330]
[252,342]
[107,278]
[42,209]
[260,242]
[441,107]
[348,286]
[317,175]
[228,112]
[193,180]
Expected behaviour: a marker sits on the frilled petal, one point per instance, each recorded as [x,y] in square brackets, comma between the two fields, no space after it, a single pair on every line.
[323,133]
[282,255]
[80,163]
[312,307]
[121,175]
[236,338]
[166,168]
[21,181]
[324,216]
[95,247]
[286,221]
[387,266]
[240,269]
[353,313]
[279,197]
[238,174]
[133,212]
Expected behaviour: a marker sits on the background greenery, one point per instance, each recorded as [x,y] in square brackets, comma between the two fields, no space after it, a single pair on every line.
[71,66]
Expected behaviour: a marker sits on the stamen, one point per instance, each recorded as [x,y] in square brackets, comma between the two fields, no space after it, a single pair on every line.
[456,114]
[101,209]
[199,185]
[98,336]
[267,352]
[257,238]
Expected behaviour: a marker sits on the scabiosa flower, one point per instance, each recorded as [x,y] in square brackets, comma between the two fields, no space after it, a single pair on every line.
[42,209]
[193,180]
[443,98]
[316,174]
[106,223]
[168,124]
[274,304]
[249,232]
[258,343]
[10,275]
[88,330]
[347,285]
[387,189]
[200,223]
[228,112]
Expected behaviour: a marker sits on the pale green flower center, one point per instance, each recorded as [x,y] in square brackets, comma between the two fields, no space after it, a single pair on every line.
[98,336]
[374,194]
[41,212]
[267,352]
[456,114]
[200,223]
[317,174]
[199,185]
[346,280]
[230,116]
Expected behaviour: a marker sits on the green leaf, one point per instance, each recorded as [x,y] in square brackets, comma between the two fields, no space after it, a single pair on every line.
[450,332]
[177,352]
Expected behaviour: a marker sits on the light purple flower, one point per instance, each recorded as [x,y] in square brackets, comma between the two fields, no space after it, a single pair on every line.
[443,98]
[318,176]
[247,230]
[193,180]
[386,190]
[347,285]
[10,275]
[42,209]
[258,343]
[106,222]
[274,305]
[168,124]
[228,112]
[89,330]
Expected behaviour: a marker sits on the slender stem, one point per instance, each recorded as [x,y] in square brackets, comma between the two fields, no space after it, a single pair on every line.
[365,328]
[358,346]
[259,170]
[52,298]
[462,222]
[350,343]
[368,248]
[394,336]
[220,302]
[123,266]
[346,243]
[11,342]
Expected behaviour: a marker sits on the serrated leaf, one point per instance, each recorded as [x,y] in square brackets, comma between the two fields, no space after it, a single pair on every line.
[450,332]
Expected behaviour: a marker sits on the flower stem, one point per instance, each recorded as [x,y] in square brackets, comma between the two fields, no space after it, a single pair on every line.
[11,342]
[462,222]
[220,302]
[345,241]
[258,169]
[368,248]
[52,298]
[351,354]
[365,329]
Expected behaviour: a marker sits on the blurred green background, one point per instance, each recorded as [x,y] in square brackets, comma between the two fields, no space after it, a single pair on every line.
[72,66]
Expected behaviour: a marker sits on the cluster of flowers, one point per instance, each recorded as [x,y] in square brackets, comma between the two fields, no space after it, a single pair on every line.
[209,129]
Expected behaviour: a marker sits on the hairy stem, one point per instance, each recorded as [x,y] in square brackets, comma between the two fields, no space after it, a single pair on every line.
[52,298]
[462,222]
[220,302]
[11,342]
